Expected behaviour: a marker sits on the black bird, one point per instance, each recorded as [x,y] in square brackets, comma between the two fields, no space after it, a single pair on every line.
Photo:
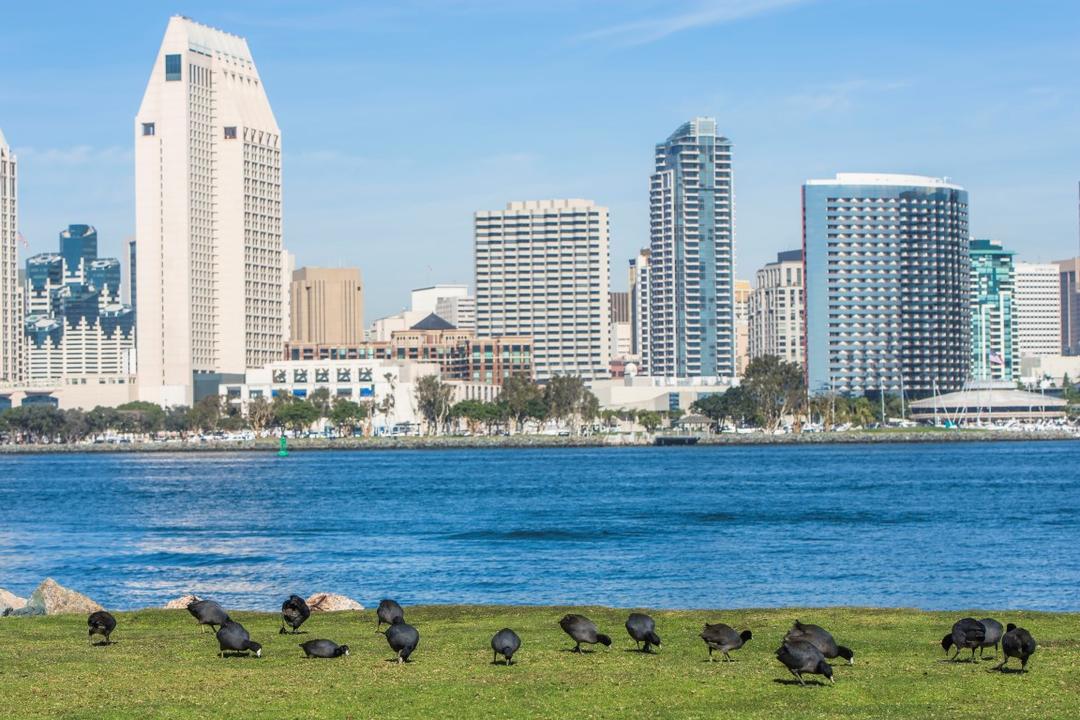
[643,630]
[233,636]
[324,649]
[208,612]
[724,638]
[388,612]
[100,623]
[294,612]
[993,635]
[967,633]
[820,638]
[1016,643]
[583,630]
[800,656]
[403,639]
[505,642]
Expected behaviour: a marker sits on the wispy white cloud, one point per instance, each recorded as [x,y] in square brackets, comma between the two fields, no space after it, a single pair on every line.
[703,14]
[838,97]
[76,155]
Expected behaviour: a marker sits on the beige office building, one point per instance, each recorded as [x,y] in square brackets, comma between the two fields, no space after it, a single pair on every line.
[11,310]
[327,306]
[742,326]
[543,270]
[1036,311]
[776,309]
[208,216]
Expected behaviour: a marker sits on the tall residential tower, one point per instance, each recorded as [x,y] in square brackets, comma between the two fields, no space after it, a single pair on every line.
[207,216]
[691,264]
[887,277]
[10,295]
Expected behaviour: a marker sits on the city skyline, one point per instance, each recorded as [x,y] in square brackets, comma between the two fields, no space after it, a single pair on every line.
[812,111]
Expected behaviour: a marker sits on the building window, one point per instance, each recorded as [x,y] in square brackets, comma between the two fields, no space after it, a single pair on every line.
[172,67]
[230,132]
[147,129]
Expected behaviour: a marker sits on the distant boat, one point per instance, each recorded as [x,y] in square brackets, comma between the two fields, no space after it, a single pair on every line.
[675,440]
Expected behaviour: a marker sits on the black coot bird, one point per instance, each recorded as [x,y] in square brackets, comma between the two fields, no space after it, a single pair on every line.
[505,642]
[967,634]
[233,636]
[643,630]
[993,635]
[100,623]
[1016,643]
[294,612]
[724,638]
[403,639]
[800,656]
[583,630]
[388,612]
[208,612]
[820,638]
[323,649]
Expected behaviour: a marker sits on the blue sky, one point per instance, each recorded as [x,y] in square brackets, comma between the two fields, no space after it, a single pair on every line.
[400,119]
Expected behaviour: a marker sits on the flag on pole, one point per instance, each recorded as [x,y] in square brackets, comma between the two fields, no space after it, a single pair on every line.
[22,239]
[996,358]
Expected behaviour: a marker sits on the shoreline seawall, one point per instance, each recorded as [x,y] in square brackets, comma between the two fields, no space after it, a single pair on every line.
[445,442]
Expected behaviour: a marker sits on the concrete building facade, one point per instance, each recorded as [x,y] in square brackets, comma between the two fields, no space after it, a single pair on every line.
[1037,309]
[543,270]
[208,216]
[887,284]
[639,309]
[1069,274]
[993,341]
[692,243]
[11,310]
[326,306]
[776,309]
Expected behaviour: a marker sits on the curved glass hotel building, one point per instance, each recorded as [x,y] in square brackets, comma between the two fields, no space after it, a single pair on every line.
[887,284]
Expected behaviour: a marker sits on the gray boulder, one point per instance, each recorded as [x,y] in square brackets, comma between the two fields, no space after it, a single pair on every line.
[52,598]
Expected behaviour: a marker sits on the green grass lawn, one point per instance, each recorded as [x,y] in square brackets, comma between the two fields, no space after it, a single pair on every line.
[164,666]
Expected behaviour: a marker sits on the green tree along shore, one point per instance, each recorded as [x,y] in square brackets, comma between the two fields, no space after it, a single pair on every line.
[772,394]
[163,666]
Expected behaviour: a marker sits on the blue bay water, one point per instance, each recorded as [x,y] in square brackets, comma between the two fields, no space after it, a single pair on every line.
[940,526]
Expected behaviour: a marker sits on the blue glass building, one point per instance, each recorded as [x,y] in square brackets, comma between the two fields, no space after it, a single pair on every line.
[993,285]
[691,305]
[887,284]
[75,323]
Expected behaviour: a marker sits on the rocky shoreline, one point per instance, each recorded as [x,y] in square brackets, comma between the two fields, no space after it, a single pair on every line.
[442,442]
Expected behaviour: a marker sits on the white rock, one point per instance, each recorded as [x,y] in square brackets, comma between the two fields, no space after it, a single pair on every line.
[331,602]
[10,601]
[181,603]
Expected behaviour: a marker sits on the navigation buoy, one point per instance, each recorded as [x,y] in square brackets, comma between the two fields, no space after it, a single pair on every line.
[283,450]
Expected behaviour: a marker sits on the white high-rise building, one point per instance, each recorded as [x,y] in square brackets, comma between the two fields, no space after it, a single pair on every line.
[639,309]
[458,311]
[207,216]
[776,309]
[11,310]
[543,270]
[1037,309]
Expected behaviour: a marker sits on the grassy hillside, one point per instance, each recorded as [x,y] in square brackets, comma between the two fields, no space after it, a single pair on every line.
[163,666]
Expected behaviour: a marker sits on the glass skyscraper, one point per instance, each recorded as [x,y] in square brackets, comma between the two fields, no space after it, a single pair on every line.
[692,250]
[993,284]
[887,284]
